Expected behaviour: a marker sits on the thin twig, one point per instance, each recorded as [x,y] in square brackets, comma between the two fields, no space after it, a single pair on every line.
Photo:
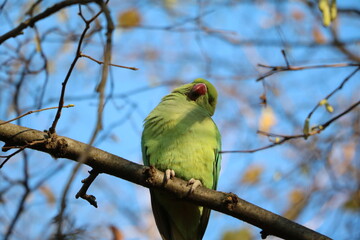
[28,191]
[281,138]
[7,158]
[334,91]
[111,64]
[86,184]
[276,69]
[77,56]
[285,57]
[250,150]
[100,89]
[31,21]
[52,129]
[342,46]
[45,65]
[21,205]
[35,111]
[325,125]
[8,147]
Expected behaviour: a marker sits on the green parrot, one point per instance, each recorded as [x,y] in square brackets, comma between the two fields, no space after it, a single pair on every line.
[180,138]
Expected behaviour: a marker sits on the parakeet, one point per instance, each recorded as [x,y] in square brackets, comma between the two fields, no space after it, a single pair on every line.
[180,138]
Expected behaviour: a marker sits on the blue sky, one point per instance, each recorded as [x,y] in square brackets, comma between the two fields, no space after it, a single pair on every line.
[180,55]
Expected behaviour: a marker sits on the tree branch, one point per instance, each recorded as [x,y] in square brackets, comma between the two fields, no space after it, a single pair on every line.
[86,184]
[31,21]
[111,64]
[103,162]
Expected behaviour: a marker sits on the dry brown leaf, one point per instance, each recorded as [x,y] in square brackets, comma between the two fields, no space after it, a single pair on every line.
[318,35]
[115,138]
[297,14]
[242,233]
[267,119]
[353,202]
[252,174]
[67,47]
[129,19]
[263,99]
[49,195]
[349,151]
[298,201]
[116,233]
[151,54]
[341,161]
[63,15]
[170,4]
[37,44]
[296,196]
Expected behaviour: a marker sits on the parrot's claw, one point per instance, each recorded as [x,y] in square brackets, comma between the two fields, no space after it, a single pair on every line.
[194,184]
[169,174]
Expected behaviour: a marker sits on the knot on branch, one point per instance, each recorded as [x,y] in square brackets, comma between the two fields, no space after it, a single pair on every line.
[149,174]
[230,201]
[57,145]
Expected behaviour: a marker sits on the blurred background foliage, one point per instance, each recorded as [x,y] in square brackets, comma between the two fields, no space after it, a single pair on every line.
[314,182]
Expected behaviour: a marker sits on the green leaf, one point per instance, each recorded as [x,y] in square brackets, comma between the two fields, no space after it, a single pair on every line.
[329,108]
[306,129]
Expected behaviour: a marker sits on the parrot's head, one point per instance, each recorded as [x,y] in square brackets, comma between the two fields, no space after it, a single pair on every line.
[202,92]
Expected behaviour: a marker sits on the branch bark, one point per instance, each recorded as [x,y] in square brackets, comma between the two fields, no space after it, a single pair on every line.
[104,162]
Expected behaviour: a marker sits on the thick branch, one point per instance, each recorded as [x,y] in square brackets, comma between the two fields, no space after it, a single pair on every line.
[63,147]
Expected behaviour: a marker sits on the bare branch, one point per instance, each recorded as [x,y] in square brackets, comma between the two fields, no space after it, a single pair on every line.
[31,21]
[285,58]
[281,138]
[101,89]
[341,46]
[35,111]
[111,64]
[7,158]
[21,206]
[277,69]
[77,56]
[86,184]
[335,90]
[325,125]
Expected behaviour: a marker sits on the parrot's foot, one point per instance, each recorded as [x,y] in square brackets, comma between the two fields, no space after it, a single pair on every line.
[169,174]
[194,184]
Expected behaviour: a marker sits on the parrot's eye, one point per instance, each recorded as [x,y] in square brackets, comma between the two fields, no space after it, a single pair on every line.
[197,91]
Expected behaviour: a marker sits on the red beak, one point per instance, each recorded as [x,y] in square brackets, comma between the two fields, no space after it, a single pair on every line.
[197,91]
